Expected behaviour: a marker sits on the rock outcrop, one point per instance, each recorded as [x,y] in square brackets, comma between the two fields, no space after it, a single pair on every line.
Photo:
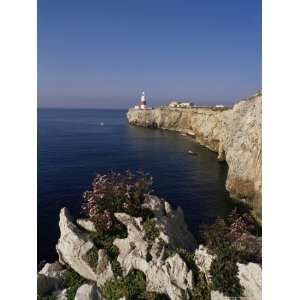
[203,259]
[250,275]
[86,224]
[251,279]
[234,133]
[151,249]
[166,276]
[74,247]
[50,278]
[171,223]
[170,276]
[88,292]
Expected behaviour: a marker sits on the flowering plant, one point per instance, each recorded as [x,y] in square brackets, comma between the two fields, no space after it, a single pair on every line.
[115,192]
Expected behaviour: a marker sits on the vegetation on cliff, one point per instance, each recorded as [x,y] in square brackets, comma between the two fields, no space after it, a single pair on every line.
[231,239]
[117,207]
[116,192]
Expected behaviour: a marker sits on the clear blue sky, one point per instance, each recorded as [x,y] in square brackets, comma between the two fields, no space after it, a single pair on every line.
[104,53]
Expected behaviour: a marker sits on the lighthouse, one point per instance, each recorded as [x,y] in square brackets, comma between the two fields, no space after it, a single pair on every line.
[143,104]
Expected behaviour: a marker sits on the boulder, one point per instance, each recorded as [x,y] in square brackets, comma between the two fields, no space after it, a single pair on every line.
[165,276]
[173,229]
[104,268]
[249,275]
[88,292]
[215,295]
[74,249]
[73,246]
[251,279]
[50,278]
[86,224]
[51,269]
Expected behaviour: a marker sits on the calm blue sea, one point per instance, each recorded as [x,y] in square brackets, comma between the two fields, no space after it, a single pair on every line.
[73,148]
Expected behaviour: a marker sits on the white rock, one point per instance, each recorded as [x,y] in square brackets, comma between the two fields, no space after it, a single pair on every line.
[249,275]
[215,295]
[86,224]
[170,276]
[203,259]
[251,279]
[104,269]
[51,269]
[155,204]
[173,229]
[73,247]
[88,292]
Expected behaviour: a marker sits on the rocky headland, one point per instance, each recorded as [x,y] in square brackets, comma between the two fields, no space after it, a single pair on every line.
[234,133]
[131,244]
[85,272]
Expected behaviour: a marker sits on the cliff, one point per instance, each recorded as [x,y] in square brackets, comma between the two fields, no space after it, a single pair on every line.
[235,133]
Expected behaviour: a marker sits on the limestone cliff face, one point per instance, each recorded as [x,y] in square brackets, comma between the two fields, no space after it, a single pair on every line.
[234,133]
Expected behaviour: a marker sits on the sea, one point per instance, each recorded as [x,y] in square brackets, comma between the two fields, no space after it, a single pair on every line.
[76,144]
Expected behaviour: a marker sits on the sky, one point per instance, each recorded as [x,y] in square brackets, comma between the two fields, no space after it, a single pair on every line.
[103,54]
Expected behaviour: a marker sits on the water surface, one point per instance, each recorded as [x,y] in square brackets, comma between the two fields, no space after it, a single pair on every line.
[73,147]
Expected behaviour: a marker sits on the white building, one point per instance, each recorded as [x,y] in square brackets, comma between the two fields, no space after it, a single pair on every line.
[174,103]
[186,104]
[181,104]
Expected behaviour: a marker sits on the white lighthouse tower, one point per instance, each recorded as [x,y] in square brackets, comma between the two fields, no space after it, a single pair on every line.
[143,104]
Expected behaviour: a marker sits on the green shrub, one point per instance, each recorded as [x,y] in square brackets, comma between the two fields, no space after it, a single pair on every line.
[130,286]
[201,291]
[116,268]
[92,258]
[151,229]
[105,241]
[236,232]
[214,236]
[72,281]
[188,258]
[231,239]
[224,275]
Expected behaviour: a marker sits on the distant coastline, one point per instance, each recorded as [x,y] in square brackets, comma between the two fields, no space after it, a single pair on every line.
[233,132]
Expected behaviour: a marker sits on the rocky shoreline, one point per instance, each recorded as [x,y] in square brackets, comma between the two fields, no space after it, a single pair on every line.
[141,250]
[234,133]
